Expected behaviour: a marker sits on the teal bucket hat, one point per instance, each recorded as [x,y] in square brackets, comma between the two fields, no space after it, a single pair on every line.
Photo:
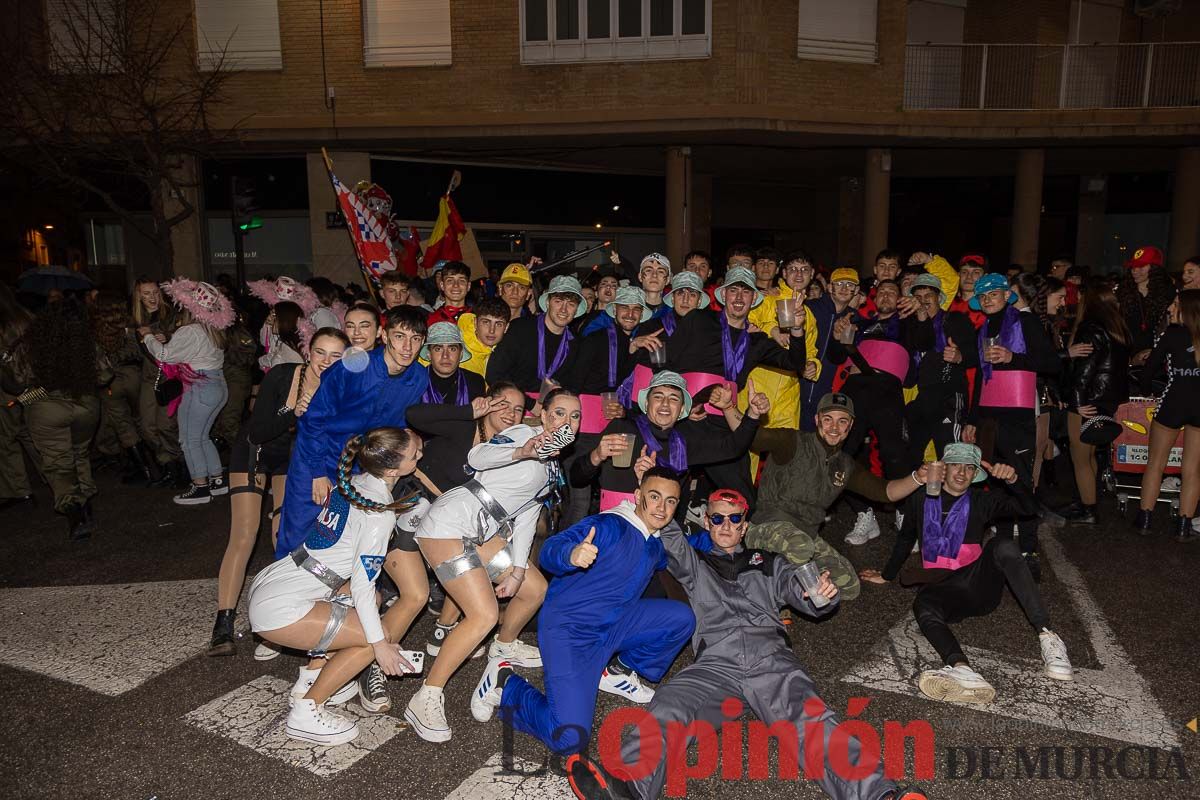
[962,453]
[743,276]
[929,282]
[686,280]
[990,283]
[564,284]
[444,333]
[675,381]
[629,296]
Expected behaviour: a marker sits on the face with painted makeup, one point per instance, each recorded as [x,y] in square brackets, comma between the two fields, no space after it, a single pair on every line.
[401,348]
[606,290]
[654,277]
[726,535]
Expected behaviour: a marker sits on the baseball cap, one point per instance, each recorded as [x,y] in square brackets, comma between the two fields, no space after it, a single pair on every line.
[1145,257]
[836,400]
[844,274]
[517,273]
[731,496]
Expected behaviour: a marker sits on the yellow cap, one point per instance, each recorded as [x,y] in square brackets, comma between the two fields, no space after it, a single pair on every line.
[517,273]
[844,274]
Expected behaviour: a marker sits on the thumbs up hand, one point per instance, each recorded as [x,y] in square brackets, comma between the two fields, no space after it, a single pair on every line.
[584,554]
[951,355]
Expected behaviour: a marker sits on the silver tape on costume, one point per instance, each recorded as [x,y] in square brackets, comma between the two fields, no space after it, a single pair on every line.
[315,567]
[469,559]
[339,607]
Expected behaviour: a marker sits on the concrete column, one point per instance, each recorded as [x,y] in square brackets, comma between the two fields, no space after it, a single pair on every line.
[1185,208]
[849,222]
[332,252]
[679,204]
[187,239]
[877,188]
[702,213]
[1089,239]
[1027,208]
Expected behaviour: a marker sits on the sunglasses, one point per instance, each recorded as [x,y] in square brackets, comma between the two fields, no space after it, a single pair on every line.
[719,519]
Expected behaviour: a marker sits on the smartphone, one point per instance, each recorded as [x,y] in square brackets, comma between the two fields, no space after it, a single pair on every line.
[416,658]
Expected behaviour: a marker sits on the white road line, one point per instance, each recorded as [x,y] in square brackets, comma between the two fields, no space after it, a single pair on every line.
[253,715]
[109,638]
[493,782]
[1114,701]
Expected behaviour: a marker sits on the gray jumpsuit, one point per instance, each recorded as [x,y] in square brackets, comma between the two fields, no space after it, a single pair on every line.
[742,651]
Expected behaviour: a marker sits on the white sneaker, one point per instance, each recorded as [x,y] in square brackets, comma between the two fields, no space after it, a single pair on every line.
[266,651]
[1054,656]
[300,688]
[312,723]
[1171,484]
[426,712]
[629,686]
[515,652]
[344,694]
[959,684]
[440,632]
[866,528]
[489,689]
[1196,524]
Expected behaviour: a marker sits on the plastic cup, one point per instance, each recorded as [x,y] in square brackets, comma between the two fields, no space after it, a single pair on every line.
[990,342]
[810,577]
[785,313]
[607,399]
[658,358]
[933,486]
[624,459]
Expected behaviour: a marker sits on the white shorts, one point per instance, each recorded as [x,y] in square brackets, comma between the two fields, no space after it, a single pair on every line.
[282,594]
[454,515]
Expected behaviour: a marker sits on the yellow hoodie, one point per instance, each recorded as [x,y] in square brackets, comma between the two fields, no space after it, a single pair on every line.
[479,351]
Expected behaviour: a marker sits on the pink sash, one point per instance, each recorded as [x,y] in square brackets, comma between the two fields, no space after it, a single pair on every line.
[886,357]
[1010,388]
[699,381]
[592,408]
[609,499]
[967,554]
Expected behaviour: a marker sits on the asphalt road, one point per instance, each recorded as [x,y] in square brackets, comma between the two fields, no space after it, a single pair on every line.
[107,691]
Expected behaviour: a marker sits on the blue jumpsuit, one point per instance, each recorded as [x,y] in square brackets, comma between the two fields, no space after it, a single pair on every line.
[588,616]
[345,405]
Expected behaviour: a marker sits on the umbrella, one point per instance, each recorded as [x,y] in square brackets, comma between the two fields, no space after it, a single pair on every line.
[40,280]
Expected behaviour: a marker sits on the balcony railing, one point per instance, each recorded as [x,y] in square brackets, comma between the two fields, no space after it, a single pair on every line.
[1025,77]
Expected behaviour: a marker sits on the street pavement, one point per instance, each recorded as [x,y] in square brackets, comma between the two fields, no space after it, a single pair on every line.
[108,693]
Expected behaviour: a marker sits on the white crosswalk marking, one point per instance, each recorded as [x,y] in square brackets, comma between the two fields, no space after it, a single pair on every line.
[1114,701]
[109,638]
[253,715]
[493,782]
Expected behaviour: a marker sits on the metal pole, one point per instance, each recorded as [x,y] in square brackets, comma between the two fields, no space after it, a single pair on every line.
[1062,78]
[1149,71]
[239,245]
[983,77]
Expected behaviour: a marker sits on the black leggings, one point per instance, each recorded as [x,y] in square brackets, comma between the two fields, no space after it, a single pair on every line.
[879,406]
[975,591]
[933,414]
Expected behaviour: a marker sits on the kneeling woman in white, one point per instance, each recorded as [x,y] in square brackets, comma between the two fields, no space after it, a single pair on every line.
[480,533]
[301,601]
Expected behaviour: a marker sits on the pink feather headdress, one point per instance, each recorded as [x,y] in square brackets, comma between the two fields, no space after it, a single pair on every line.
[283,289]
[203,300]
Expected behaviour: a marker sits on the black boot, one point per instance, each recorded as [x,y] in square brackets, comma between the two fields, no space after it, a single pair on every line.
[77,529]
[142,467]
[1089,516]
[223,642]
[89,517]
[1184,531]
[166,475]
[1145,518]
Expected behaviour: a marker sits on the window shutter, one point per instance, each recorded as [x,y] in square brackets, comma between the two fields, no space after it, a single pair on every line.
[246,30]
[82,35]
[838,31]
[406,33]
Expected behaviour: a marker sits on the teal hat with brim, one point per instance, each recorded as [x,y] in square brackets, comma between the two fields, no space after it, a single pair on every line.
[929,282]
[675,381]
[686,280]
[963,453]
[445,333]
[564,284]
[629,296]
[743,276]
[990,283]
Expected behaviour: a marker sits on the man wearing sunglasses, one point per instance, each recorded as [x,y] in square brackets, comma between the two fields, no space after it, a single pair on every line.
[743,656]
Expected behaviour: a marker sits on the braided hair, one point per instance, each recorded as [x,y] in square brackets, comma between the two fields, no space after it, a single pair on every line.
[375,451]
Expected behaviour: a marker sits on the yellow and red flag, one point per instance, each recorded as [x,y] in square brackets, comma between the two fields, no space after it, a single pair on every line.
[448,231]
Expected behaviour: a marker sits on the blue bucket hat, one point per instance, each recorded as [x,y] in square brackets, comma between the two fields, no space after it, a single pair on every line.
[675,381]
[686,280]
[962,453]
[629,296]
[990,283]
[445,333]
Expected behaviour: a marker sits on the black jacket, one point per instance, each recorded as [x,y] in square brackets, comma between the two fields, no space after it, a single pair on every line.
[1102,378]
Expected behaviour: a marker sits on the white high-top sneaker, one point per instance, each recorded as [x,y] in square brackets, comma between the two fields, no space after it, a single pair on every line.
[959,684]
[490,689]
[426,712]
[627,685]
[515,652]
[312,723]
[866,528]
[300,688]
[1054,656]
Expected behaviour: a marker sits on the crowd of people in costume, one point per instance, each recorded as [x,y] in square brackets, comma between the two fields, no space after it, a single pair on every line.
[646,457]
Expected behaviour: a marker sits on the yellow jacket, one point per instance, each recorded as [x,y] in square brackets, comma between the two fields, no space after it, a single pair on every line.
[479,351]
[781,387]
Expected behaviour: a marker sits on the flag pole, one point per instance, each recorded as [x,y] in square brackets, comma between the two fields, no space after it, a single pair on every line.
[368,278]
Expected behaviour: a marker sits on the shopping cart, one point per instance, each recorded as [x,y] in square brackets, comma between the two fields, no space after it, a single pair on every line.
[1131,451]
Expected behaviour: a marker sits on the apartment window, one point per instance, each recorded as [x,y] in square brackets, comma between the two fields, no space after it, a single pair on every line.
[841,31]
[84,35]
[409,33]
[566,31]
[238,34]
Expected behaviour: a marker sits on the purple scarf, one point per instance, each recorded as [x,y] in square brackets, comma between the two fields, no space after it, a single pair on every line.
[733,357]
[1012,337]
[669,321]
[559,356]
[676,459]
[944,537]
[939,332]
[612,355]
[432,395]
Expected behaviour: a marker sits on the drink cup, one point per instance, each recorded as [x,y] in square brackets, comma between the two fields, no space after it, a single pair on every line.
[607,399]
[785,313]
[810,577]
[933,481]
[624,459]
[989,343]
[658,358]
